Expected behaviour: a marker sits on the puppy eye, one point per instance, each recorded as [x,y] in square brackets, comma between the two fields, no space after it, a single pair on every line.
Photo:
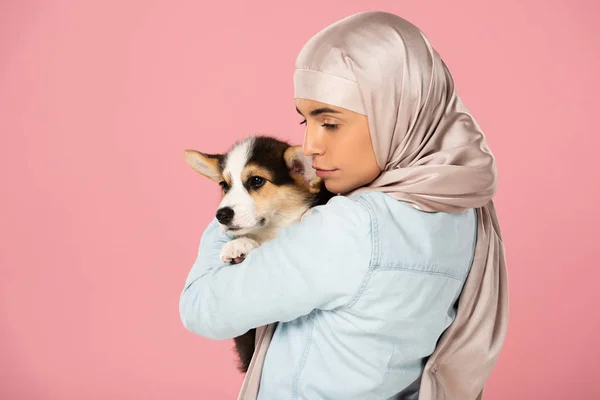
[256,182]
[224,185]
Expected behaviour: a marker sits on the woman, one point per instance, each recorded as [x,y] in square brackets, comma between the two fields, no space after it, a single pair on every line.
[365,289]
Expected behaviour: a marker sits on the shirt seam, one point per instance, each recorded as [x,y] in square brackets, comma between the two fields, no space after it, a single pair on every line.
[300,368]
[374,258]
[420,271]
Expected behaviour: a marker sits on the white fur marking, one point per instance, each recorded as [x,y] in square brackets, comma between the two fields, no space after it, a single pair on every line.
[238,197]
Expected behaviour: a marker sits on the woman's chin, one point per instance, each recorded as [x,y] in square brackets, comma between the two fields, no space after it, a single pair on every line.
[337,187]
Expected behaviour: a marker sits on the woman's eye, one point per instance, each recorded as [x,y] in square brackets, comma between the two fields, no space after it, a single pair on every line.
[326,126]
[224,185]
[256,182]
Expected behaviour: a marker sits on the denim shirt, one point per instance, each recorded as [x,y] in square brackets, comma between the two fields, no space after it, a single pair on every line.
[362,289]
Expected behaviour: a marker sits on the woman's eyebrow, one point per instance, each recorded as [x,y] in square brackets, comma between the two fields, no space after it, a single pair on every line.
[320,111]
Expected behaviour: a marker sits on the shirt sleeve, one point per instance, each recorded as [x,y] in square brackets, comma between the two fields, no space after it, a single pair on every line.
[318,263]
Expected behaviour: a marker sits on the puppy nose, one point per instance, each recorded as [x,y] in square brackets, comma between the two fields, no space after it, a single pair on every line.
[225,215]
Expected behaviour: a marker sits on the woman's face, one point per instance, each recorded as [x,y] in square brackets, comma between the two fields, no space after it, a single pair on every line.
[340,144]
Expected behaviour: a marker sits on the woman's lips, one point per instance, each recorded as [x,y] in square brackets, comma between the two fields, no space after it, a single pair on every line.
[322,173]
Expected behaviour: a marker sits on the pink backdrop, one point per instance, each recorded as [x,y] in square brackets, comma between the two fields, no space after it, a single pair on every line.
[100,216]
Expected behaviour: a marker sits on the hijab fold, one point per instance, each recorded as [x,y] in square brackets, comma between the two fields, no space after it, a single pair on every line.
[432,155]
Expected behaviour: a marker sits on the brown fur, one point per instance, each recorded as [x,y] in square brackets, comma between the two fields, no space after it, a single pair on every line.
[285,199]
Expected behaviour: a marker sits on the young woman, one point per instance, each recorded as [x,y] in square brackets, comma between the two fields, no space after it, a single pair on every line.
[366,289]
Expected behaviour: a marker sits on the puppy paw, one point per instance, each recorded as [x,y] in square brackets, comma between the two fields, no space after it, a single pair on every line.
[237,249]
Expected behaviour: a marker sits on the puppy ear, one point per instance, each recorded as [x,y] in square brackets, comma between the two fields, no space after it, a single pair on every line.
[208,165]
[301,169]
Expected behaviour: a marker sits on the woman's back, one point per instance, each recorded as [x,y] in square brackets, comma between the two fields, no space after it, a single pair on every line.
[395,296]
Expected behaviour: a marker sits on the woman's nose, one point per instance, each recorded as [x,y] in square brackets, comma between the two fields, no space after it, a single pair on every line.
[313,143]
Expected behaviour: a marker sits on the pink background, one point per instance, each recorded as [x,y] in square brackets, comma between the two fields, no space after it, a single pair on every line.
[100,216]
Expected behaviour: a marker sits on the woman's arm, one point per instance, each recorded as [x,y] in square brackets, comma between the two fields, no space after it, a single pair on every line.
[318,263]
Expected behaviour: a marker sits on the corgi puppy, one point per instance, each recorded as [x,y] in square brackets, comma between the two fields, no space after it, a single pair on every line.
[266,185]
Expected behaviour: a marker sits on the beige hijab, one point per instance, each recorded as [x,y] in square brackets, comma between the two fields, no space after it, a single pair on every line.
[433,156]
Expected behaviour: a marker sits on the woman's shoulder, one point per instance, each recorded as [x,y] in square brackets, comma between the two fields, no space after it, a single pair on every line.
[382,206]
[370,209]
[441,242]
[345,213]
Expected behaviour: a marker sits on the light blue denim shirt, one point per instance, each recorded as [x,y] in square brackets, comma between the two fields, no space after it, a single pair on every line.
[362,289]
